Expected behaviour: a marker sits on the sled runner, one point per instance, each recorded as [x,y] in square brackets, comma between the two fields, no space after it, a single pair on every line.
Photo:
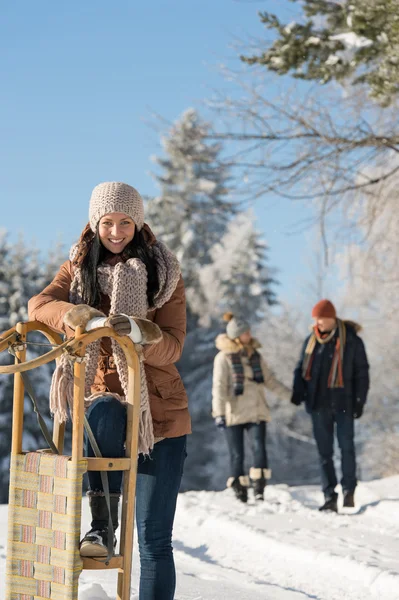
[44,522]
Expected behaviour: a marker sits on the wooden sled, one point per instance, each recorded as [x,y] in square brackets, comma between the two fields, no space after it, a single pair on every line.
[44,523]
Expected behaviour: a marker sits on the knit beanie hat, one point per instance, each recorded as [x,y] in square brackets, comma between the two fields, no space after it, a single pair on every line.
[325,309]
[114,196]
[235,326]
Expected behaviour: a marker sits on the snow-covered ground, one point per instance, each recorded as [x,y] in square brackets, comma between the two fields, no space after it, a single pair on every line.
[283,549]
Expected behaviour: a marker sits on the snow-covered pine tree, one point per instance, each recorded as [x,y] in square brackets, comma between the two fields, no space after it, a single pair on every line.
[352,41]
[372,299]
[239,279]
[22,275]
[6,389]
[195,204]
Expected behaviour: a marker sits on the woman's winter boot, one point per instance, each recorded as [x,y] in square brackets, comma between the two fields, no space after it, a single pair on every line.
[258,479]
[240,486]
[258,482]
[95,542]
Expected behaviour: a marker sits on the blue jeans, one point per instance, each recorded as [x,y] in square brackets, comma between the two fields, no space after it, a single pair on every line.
[257,438]
[158,481]
[323,429]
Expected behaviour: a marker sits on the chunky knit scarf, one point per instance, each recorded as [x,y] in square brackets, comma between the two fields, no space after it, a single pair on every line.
[335,378]
[238,370]
[126,286]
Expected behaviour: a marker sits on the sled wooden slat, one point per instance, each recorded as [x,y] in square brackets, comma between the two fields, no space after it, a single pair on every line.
[8,337]
[53,336]
[78,404]
[35,362]
[108,464]
[92,564]
[54,574]
[130,478]
[19,392]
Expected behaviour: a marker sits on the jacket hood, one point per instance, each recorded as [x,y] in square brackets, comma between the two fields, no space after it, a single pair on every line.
[357,328]
[228,346]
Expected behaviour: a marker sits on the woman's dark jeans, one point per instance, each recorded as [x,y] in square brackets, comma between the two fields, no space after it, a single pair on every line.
[158,481]
[235,439]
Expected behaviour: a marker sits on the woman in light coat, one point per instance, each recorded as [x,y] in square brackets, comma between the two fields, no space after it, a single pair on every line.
[239,403]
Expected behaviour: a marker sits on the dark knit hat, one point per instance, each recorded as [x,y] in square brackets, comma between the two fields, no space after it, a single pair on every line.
[324,309]
[235,326]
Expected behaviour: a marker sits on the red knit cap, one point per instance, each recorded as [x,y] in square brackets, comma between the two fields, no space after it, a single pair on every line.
[325,309]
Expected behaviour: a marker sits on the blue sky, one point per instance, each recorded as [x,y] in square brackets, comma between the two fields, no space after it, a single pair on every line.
[80,81]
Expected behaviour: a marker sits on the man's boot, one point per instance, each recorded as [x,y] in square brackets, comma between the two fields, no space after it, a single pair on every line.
[349,499]
[331,503]
[95,542]
[240,486]
[258,479]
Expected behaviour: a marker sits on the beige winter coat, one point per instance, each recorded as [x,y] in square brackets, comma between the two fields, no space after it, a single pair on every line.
[251,406]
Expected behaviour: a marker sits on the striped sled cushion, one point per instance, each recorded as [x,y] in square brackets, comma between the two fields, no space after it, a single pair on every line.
[43,559]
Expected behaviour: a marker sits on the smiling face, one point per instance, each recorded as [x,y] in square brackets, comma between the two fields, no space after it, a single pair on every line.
[116,230]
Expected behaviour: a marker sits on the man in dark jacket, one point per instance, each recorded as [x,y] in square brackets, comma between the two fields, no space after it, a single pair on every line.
[332,378]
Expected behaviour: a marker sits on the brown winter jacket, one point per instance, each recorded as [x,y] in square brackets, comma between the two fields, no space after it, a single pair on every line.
[168,399]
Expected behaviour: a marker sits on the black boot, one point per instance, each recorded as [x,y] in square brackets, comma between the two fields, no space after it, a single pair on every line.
[240,487]
[95,542]
[349,499]
[331,503]
[258,480]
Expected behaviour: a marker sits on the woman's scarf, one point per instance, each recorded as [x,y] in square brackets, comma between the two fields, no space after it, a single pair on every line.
[126,285]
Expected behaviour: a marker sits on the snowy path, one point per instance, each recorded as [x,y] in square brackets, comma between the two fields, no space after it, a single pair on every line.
[281,550]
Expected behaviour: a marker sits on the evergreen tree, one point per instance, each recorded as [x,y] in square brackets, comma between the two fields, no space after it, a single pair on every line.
[238,279]
[22,275]
[194,207]
[6,385]
[352,40]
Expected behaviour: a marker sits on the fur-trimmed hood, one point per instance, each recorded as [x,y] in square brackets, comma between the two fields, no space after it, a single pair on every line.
[228,346]
[355,326]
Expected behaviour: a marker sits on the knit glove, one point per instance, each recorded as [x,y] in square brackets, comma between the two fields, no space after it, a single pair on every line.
[358,409]
[296,398]
[220,423]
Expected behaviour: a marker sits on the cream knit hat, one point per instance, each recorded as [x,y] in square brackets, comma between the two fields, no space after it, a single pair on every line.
[114,196]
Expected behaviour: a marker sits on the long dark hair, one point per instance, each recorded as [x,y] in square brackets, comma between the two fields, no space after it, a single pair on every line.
[91,253]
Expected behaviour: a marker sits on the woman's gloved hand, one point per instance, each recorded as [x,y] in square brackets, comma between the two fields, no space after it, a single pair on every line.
[141,331]
[120,323]
[220,422]
[80,315]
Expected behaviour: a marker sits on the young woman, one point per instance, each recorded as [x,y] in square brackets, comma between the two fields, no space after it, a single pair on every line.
[239,403]
[119,275]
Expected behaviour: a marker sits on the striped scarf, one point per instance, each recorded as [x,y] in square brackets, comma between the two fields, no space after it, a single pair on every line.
[238,371]
[335,378]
